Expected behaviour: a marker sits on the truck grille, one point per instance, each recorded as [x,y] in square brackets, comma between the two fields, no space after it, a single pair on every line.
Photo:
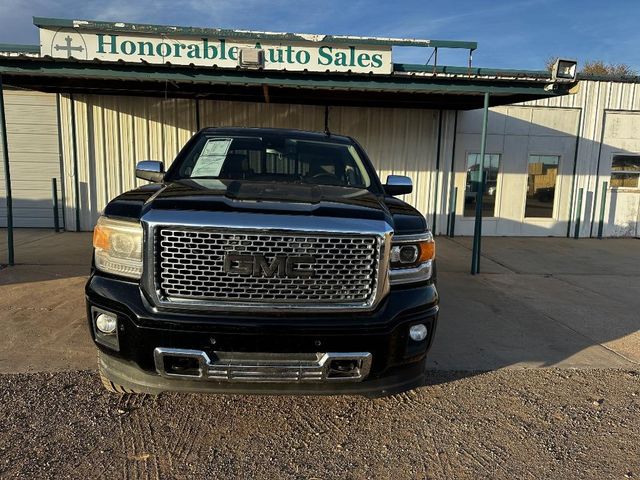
[191,265]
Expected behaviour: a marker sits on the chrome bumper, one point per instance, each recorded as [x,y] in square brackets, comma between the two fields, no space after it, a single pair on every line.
[262,367]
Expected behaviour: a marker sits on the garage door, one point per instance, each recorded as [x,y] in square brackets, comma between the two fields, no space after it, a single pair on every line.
[32,133]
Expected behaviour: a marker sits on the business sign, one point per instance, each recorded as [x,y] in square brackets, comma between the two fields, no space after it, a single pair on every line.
[312,55]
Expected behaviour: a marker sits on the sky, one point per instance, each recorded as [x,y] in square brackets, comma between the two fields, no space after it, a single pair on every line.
[510,33]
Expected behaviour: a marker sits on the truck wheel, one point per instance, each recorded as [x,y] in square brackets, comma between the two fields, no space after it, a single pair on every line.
[111,386]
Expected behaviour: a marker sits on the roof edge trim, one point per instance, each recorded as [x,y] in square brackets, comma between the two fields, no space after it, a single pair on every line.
[169,30]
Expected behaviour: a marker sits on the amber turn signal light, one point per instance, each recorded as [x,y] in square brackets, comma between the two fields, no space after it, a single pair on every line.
[427,251]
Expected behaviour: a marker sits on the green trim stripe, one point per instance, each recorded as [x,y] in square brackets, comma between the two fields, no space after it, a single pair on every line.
[19,48]
[487,72]
[388,83]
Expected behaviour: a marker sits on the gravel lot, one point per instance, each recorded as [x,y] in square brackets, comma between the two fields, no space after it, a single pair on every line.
[504,424]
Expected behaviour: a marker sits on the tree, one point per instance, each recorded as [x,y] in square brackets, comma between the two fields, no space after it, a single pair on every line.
[549,63]
[599,67]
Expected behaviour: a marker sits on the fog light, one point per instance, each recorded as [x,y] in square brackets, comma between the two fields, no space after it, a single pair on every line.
[418,332]
[106,323]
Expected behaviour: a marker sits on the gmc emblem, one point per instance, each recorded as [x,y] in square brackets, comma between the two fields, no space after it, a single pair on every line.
[257,265]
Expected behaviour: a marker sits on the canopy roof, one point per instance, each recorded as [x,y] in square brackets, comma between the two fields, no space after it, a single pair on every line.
[406,86]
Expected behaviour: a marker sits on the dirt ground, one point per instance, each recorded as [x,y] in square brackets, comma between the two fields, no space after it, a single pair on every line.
[543,423]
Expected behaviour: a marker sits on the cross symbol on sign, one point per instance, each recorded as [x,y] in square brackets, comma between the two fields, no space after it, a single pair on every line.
[69,49]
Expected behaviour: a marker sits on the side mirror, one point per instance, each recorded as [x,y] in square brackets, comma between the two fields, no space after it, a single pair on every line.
[398,185]
[150,170]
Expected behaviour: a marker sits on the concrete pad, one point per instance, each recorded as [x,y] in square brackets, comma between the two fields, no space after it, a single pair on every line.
[45,247]
[485,326]
[541,255]
[624,289]
[43,321]
[23,235]
[455,256]
[34,273]
[593,314]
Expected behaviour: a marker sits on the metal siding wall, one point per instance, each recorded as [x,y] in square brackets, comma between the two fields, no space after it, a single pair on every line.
[595,98]
[32,133]
[446,184]
[214,113]
[398,142]
[113,134]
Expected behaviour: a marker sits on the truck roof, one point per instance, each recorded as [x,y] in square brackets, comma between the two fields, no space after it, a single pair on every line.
[285,132]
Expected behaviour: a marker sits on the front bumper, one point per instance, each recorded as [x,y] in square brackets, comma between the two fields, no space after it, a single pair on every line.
[397,362]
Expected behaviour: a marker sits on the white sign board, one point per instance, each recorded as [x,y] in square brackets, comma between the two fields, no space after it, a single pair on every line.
[221,52]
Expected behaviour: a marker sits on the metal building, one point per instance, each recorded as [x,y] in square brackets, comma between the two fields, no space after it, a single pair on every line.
[83,108]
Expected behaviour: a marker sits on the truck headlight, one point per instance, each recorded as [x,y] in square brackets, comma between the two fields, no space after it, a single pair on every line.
[411,258]
[118,247]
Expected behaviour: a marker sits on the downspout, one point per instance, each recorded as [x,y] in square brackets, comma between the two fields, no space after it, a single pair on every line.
[7,177]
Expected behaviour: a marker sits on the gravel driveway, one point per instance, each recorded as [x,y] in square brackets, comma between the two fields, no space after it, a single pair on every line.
[505,424]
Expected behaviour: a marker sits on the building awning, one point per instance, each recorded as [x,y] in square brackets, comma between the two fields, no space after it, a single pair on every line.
[409,86]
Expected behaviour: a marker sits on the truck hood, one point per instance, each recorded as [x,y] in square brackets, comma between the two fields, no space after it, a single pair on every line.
[269,197]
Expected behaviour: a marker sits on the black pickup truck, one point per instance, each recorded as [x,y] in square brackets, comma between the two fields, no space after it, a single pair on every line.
[263,261]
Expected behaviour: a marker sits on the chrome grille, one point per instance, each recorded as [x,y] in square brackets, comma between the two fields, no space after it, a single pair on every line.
[190,265]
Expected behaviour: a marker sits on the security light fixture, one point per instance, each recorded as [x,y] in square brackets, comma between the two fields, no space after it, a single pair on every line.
[564,70]
[251,58]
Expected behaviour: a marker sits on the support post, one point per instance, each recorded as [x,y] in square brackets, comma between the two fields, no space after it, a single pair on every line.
[452,175]
[437,182]
[198,126]
[54,193]
[603,201]
[7,177]
[576,232]
[452,213]
[477,231]
[435,60]
[74,142]
[573,173]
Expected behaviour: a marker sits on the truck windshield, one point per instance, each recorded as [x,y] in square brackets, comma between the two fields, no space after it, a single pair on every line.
[275,159]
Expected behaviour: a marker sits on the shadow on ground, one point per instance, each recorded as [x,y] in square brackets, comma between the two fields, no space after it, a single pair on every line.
[539,302]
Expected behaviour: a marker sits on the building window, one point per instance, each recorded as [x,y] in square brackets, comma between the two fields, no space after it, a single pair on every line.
[541,185]
[491,168]
[625,171]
